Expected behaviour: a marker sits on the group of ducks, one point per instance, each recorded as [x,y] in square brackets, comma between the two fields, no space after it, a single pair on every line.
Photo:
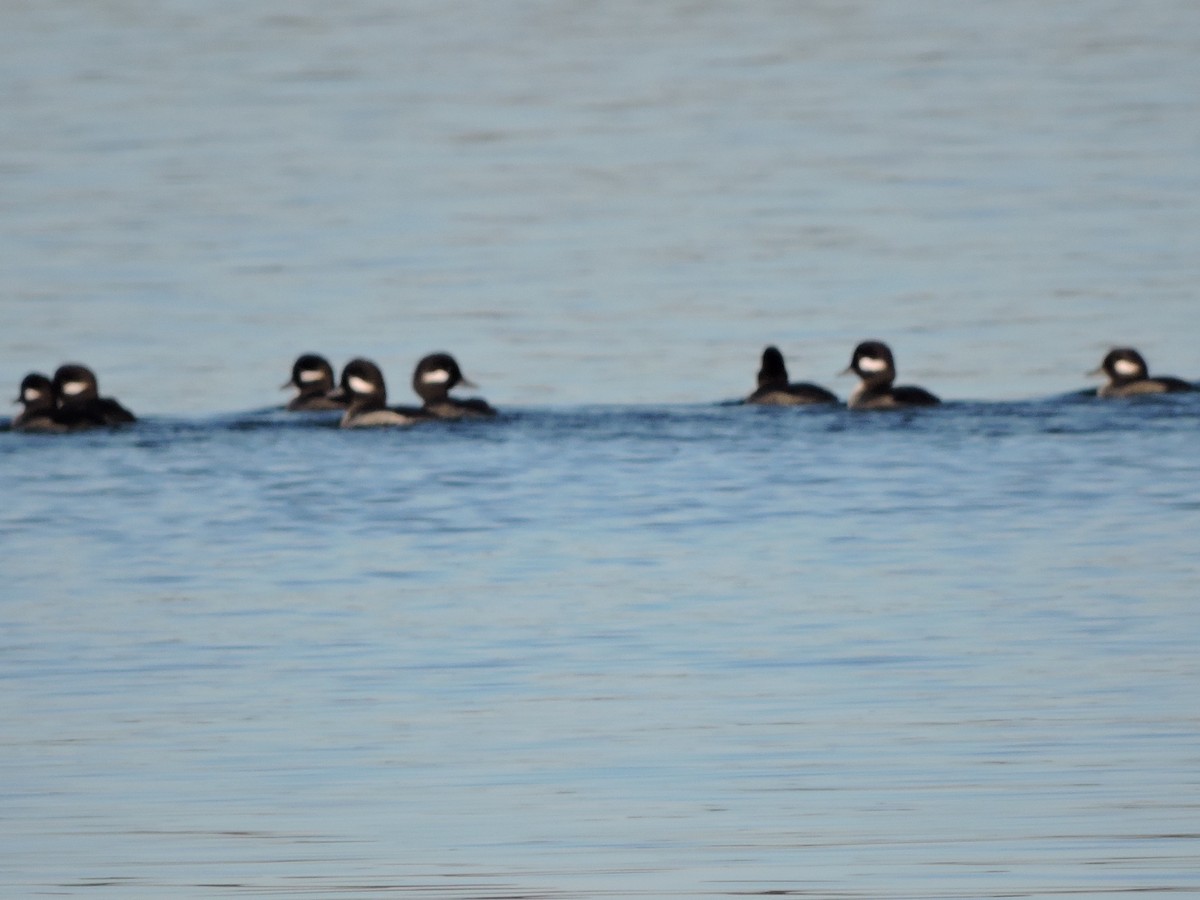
[873,363]
[362,395]
[71,401]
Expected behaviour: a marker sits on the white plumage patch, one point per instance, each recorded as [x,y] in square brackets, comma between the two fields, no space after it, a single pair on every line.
[360,385]
[1125,368]
[871,364]
[307,375]
[31,394]
[435,376]
[74,387]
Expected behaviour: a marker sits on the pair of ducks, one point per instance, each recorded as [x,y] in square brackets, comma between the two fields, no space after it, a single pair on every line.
[70,401]
[362,395]
[873,363]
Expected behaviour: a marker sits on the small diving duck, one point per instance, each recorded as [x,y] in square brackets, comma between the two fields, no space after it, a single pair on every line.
[873,363]
[775,390]
[1128,376]
[363,386]
[78,395]
[434,377]
[39,405]
[312,377]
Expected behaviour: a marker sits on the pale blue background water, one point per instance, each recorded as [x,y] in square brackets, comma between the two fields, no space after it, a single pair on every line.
[624,640]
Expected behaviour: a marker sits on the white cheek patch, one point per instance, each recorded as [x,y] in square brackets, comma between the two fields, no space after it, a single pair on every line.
[435,376]
[871,364]
[1125,368]
[360,385]
[72,388]
[307,375]
[31,394]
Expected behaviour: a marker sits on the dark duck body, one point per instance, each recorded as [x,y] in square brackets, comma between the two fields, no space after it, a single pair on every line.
[874,364]
[1128,376]
[363,386]
[78,395]
[775,390]
[433,379]
[312,377]
[38,405]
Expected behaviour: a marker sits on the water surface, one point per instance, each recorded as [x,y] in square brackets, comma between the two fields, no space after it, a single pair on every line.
[624,640]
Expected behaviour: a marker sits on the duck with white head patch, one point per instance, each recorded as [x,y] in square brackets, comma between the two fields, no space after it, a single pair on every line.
[874,364]
[39,405]
[433,379]
[41,413]
[312,377]
[363,386]
[1128,376]
[78,395]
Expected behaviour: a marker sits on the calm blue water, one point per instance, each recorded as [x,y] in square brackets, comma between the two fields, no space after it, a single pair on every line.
[624,640]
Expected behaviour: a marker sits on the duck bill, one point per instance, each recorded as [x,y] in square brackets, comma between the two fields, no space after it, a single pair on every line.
[467,382]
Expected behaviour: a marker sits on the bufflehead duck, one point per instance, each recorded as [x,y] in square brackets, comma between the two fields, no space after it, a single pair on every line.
[873,363]
[774,389]
[433,378]
[39,405]
[78,394]
[1129,377]
[312,376]
[362,383]
[40,412]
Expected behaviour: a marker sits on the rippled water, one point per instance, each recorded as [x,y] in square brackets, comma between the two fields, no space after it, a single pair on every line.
[625,640]
[674,651]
